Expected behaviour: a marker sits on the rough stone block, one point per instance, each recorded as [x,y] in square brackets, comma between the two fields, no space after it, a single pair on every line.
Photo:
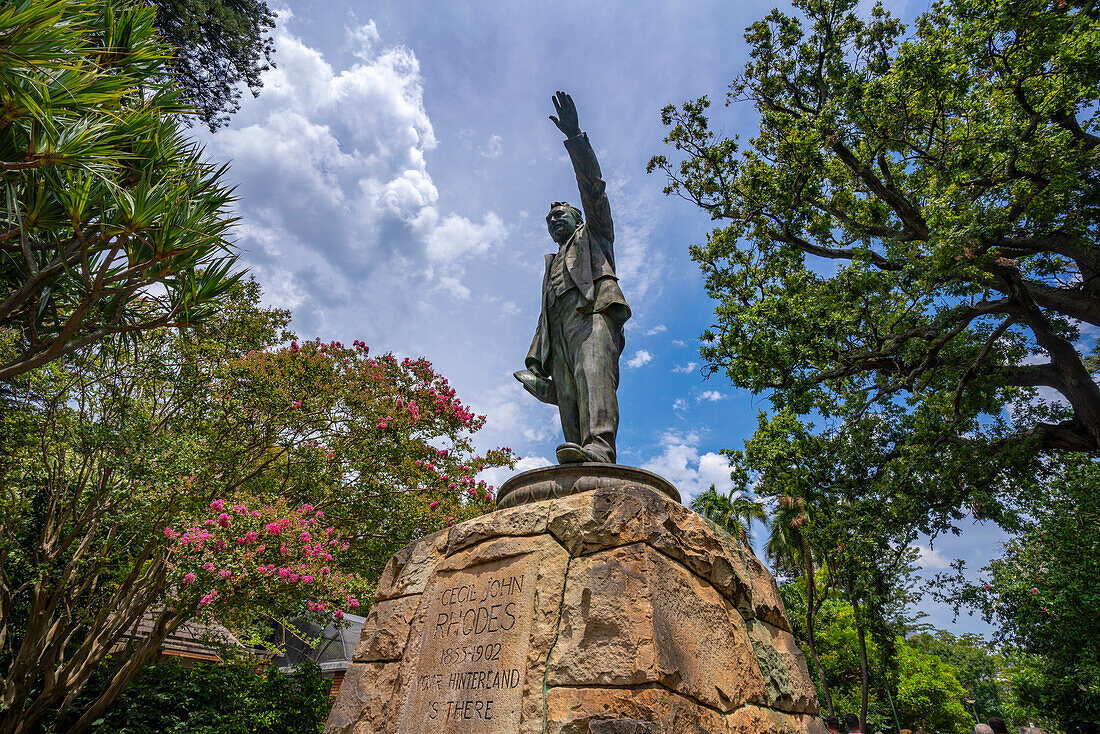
[757,720]
[386,631]
[366,695]
[787,684]
[411,567]
[631,616]
[613,611]
[589,710]
[523,520]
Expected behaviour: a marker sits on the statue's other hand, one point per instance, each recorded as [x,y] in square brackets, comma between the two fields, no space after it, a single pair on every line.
[567,115]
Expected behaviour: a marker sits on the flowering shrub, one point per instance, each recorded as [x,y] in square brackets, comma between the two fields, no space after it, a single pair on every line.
[241,554]
[383,446]
[177,472]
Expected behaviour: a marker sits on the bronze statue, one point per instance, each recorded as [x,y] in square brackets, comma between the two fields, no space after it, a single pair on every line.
[574,358]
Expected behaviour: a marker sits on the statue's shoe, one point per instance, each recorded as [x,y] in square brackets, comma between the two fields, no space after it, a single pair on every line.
[571,453]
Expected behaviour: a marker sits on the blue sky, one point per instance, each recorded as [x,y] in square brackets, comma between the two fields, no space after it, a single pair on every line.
[396,169]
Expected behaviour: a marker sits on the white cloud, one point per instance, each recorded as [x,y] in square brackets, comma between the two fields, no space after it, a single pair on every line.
[679,404]
[710,395]
[657,330]
[691,471]
[457,236]
[639,265]
[679,342]
[456,289]
[335,194]
[686,368]
[497,475]
[640,358]
[931,559]
[494,147]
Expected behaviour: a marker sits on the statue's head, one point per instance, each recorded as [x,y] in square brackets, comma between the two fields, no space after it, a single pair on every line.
[563,220]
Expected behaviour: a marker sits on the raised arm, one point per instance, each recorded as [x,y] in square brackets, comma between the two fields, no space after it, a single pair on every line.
[593,189]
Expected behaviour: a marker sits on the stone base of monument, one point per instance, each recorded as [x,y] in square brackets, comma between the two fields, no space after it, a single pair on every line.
[613,610]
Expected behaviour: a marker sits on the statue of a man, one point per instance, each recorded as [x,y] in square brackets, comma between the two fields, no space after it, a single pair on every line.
[574,358]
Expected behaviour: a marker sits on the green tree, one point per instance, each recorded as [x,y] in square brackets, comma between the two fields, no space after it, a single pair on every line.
[219,46]
[115,468]
[922,689]
[929,694]
[1043,595]
[222,698]
[735,514]
[913,224]
[112,223]
[978,666]
[848,507]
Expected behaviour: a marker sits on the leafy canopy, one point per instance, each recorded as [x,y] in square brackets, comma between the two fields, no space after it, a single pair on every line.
[914,224]
[211,472]
[111,221]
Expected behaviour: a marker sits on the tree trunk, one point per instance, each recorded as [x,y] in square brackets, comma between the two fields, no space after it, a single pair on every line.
[865,678]
[811,583]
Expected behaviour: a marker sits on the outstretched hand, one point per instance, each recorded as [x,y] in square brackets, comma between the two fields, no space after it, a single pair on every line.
[567,115]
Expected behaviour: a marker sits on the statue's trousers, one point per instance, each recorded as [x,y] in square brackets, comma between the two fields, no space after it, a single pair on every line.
[584,357]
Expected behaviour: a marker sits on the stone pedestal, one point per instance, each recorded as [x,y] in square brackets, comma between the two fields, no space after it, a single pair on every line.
[614,610]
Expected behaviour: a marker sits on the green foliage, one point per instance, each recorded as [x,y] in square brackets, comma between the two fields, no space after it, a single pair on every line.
[217,44]
[924,688]
[911,229]
[977,664]
[111,221]
[105,458]
[734,514]
[1043,595]
[208,698]
[929,694]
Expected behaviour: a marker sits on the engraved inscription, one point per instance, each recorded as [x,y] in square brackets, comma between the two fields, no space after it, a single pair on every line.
[472,661]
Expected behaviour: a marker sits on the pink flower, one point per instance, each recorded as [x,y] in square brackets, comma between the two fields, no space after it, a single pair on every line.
[305,508]
[294,347]
[319,513]
[218,505]
[206,599]
[255,513]
[1034,590]
[170,533]
[353,603]
[284,572]
[225,573]
[297,403]
[250,536]
[488,498]
[338,614]
[307,579]
[208,566]
[294,578]
[223,520]
[273,528]
[240,541]
[325,570]
[189,578]
[304,537]
[433,505]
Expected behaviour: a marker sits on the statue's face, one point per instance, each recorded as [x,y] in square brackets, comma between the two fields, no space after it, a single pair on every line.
[561,223]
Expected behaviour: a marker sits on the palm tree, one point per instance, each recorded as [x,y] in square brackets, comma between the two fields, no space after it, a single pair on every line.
[789,549]
[735,514]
